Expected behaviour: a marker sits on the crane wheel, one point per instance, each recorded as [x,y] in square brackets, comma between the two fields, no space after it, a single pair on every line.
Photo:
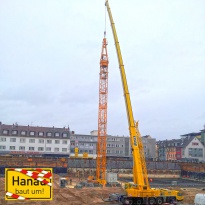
[128,202]
[138,201]
[159,201]
[151,201]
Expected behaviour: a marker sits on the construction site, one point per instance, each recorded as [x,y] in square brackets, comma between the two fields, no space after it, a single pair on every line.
[188,178]
[128,181]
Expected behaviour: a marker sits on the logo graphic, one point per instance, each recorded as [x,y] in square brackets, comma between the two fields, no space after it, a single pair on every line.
[28,184]
[135,141]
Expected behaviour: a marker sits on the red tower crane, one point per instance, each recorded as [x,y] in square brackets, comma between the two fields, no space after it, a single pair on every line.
[102,116]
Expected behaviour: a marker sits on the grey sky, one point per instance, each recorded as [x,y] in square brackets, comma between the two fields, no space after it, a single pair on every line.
[49,64]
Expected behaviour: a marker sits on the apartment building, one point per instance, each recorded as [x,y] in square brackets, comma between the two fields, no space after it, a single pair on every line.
[84,143]
[117,146]
[33,140]
[192,148]
[188,148]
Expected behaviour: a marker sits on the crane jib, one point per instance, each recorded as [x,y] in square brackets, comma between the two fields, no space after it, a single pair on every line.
[135,141]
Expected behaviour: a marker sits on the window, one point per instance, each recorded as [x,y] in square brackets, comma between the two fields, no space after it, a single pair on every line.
[2,139]
[49,134]
[57,141]
[5,132]
[12,139]
[49,141]
[22,140]
[91,145]
[122,145]
[12,147]
[64,141]
[40,148]
[72,143]
[41,141]
[64,149]
[21,148]
[56,149]
[31,148]
[40,134]
[108,151]
[65,135]
[32,140]
[32,133]
[23,132]
[57,134]
[90,151]
[14,132]
[48,149]
[2,147]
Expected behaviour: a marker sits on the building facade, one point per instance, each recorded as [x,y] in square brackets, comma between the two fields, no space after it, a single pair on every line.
[192,148]
[84,143]
[149,144]
[189,148]
[34,140]
[117,146]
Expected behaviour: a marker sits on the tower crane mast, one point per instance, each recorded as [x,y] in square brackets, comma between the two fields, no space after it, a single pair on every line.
[102,116]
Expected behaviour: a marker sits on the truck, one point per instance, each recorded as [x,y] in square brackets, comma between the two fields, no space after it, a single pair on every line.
[138,191]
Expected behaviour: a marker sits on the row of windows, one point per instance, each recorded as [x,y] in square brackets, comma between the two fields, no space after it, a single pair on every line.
[195,155]
[91,144]
[199,149]
[82,137]
[22,148]
[82,151]
[115,145]
[23,140]
[91,138]
[115,151]
[91,151]
[171,156]
[82,144]
[115,139]
[32,133]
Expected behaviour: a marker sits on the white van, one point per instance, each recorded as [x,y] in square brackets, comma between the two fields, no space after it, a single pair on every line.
[199,199]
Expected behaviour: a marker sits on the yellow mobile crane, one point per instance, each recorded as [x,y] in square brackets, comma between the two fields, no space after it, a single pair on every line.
[138,191]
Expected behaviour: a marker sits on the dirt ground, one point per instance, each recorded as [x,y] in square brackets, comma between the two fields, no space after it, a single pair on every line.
[86,195]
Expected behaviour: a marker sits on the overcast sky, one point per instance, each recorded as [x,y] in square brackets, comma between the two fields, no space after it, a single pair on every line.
[49,64]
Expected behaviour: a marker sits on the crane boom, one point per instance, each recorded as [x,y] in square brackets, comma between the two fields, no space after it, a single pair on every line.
[139,166]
